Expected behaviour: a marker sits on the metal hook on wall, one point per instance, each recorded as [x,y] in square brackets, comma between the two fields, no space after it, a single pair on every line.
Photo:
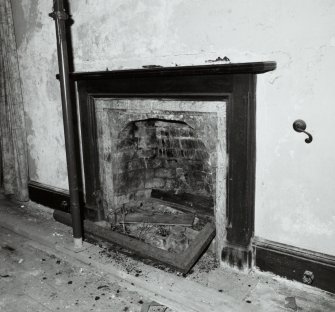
[300,126]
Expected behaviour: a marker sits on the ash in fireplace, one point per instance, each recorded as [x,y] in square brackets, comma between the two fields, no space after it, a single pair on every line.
[158,225]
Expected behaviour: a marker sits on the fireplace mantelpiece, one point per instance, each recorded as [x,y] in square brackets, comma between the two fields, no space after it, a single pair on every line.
[235,86]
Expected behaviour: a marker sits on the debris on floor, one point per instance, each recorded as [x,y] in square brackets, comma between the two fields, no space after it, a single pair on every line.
[44,282]
[153,307]
[290,303]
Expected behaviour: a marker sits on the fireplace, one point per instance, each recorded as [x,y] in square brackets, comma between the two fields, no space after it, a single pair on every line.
[186,134]
[168,145]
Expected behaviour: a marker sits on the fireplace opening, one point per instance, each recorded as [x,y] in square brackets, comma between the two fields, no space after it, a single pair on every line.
[162,168]
[163,183]
[163,155]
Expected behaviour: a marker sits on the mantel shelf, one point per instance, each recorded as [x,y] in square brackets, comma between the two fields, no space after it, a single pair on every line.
[217,69]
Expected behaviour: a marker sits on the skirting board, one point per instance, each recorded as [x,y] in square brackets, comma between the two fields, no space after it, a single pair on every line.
[292,263]
[49,196]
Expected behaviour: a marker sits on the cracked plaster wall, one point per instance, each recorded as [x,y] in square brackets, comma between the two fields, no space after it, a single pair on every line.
[295,191]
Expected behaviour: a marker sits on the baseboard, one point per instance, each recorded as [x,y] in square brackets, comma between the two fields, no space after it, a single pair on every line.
[292,263]
[59,199]
[49,196]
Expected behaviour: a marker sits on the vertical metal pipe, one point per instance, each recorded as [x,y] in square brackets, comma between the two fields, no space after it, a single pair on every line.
[60,17]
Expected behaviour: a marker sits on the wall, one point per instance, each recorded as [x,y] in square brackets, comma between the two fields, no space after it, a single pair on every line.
[35,36]
[295,190]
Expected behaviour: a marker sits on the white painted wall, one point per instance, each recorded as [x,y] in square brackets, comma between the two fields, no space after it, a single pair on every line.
[295,190]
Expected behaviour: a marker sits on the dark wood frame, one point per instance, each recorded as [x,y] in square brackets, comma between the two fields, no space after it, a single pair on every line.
[235,81]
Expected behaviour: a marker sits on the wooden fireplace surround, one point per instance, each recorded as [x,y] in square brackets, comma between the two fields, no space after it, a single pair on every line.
[234,83]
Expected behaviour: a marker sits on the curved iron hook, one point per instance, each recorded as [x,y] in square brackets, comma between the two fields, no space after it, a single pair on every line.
[300,126]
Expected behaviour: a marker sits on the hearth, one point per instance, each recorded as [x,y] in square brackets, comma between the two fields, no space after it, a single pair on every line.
[171,152]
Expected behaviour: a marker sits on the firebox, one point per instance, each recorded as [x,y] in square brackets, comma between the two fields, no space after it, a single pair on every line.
[158,154]
[166,145]
[163,139]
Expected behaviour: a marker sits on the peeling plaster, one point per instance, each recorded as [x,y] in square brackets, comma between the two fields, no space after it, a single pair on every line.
[27,19]
[38,67]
